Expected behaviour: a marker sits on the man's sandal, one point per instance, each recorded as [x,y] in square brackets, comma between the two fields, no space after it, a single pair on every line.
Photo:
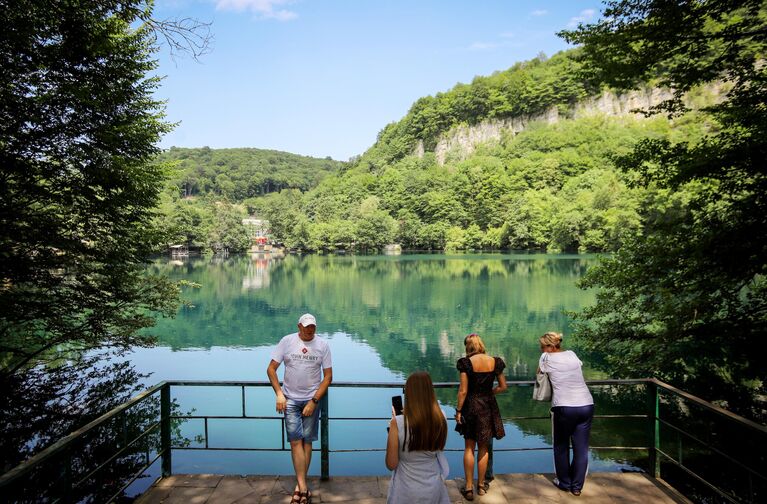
[467,494]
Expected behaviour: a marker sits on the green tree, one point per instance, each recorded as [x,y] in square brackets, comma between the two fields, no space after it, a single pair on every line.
[374,227]
[188,221]
[529,220]
[482,188]
[408,226]
[300,235]
[455,239]
[226,230]
[78,188]
[282,210]
[688,301]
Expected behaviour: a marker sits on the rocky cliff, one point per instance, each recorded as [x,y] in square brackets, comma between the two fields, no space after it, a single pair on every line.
[462,140]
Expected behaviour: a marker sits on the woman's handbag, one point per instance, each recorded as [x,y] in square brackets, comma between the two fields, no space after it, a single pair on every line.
[542,387]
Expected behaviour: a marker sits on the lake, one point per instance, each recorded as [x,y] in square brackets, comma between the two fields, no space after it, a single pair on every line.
[384,316]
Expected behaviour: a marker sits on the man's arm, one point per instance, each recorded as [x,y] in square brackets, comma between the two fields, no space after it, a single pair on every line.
[271,372]
[327,378]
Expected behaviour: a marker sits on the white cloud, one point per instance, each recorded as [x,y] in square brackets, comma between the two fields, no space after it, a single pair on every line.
[267,9]
[539,12]
[584,17]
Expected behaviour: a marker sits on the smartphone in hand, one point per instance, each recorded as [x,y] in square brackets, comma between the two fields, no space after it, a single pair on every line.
[396,402]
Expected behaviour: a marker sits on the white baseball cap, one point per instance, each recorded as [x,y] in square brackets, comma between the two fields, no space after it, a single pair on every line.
[307,319]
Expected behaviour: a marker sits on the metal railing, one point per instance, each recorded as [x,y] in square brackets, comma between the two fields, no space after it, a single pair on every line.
[70,479]
[750,441]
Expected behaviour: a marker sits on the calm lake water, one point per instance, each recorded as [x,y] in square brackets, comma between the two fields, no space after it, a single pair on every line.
[384,316]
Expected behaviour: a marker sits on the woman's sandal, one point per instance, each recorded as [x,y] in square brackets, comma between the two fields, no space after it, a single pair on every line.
[296,499]
[467,494]
[304,498]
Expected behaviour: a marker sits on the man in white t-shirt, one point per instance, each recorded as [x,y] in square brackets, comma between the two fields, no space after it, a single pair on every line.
[308,373]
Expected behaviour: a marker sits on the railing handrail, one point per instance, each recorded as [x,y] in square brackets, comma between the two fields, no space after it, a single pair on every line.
[64,442]
[709,406]
[336,384]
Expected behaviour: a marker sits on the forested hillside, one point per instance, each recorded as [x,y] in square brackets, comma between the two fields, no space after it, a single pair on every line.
[209,190]
[237,174]
[542,184]
[526,89]
[549,187]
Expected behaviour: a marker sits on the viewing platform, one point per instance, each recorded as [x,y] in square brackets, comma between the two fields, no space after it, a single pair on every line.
[601,488]
[650,443]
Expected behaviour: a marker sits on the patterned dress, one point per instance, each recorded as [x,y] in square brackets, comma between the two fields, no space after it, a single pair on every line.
[481,418]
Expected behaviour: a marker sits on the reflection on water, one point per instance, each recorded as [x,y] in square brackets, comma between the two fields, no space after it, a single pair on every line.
[385,316]
[412,310]
[257,274]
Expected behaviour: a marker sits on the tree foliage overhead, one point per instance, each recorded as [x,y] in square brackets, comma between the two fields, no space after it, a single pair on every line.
[687,301]
[78,188]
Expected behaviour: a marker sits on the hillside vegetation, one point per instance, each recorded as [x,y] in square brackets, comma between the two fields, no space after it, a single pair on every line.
[237,174]
[550,187]
[541,185]
[209,190]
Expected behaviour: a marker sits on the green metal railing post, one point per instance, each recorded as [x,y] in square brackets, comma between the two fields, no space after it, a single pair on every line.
[165,430]
[653,416]
[325,437]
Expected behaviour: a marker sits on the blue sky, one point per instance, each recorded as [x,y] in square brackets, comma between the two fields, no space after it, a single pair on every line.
[323,77]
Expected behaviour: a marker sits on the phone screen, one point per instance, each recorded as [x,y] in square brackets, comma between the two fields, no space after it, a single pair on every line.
[396,402]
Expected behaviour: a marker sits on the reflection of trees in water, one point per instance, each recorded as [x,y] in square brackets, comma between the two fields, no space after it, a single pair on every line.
[414,311]
[41,406]
[374,297]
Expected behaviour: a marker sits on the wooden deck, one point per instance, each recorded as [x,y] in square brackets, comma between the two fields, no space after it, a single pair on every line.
[601,488]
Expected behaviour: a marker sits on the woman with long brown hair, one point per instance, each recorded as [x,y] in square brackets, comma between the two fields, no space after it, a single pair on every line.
[414,447]
[477,416]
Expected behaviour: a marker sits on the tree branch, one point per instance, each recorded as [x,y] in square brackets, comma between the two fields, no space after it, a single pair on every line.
[183,35]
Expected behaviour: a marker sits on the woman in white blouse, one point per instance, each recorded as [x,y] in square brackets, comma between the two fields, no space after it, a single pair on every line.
[572,409]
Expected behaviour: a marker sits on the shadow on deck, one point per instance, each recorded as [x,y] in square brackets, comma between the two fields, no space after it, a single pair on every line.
[601,488]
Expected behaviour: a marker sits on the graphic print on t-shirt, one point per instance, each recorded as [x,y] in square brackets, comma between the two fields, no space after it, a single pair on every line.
[304,358]
[304,361]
